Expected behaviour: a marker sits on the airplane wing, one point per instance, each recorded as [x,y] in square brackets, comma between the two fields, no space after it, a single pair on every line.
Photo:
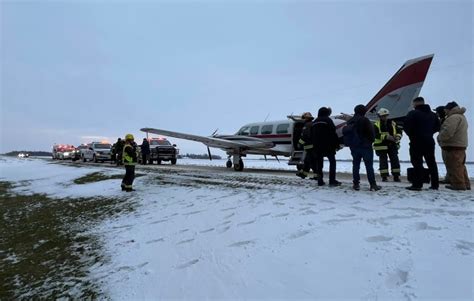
[209,141]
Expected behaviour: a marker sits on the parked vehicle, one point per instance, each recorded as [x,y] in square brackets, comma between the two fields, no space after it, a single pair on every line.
[97,152]
[65,152]
[161,150]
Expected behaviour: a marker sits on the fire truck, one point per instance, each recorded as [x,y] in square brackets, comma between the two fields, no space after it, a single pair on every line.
[65,152]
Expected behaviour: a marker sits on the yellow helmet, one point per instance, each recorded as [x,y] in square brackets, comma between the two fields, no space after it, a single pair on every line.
[129,137]
[383,112]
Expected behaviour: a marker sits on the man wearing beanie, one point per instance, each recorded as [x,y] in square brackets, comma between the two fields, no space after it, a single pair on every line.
[420,126]
[453,140]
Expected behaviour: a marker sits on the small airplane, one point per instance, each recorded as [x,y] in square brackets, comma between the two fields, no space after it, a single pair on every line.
[280,138]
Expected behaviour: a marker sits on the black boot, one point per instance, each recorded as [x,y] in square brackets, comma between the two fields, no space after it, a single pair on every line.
[356,186]
[374,187]
[396,179]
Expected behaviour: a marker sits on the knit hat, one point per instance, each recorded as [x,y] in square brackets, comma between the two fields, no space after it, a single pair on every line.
[451,105]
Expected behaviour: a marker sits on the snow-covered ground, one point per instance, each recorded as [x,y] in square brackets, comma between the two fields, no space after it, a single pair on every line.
[342,166]
[202,234]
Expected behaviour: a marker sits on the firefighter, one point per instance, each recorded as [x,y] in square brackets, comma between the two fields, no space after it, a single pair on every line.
[129,157]
[387,143]
[307,143]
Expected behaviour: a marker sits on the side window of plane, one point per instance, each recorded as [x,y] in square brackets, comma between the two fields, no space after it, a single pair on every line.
[254,130]
[283,128]
[267,129]
[243,131]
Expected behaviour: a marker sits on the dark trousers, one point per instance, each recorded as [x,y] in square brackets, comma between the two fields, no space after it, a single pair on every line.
[127,181]
[359,153]
[391,153]
[310,162]
[332,166]
[119,159]
[418,151]
[144,159]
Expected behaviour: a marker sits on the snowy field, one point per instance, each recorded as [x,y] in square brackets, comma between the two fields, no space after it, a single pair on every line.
[342,166]
[215,234]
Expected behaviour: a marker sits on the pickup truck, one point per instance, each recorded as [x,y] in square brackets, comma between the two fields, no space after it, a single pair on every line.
[161,149]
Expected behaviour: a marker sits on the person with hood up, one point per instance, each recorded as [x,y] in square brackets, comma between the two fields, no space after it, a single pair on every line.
[420,125]
[325,143]
[453,141]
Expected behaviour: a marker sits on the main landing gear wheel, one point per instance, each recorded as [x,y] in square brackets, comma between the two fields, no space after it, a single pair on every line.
[299,167]
[239,166]
[228,164]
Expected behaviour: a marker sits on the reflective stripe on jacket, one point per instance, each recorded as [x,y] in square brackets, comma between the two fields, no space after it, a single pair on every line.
[129,155]
[380,142]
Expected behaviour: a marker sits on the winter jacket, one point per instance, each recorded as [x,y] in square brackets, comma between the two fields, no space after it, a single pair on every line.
[305,139]
[420,124]
[382,130]
[365,130]
[325,139]
[145,147]
[453,133]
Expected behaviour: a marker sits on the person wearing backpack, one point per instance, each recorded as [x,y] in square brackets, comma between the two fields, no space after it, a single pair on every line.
[325,143]
[359,136]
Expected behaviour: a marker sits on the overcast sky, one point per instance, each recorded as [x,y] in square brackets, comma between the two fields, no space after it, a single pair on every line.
[77,71]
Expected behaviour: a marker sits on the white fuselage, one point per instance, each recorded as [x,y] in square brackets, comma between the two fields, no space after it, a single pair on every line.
[283,134]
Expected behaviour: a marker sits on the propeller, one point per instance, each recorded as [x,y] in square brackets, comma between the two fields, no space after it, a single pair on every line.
[209,152]
[215,132]
[265,156]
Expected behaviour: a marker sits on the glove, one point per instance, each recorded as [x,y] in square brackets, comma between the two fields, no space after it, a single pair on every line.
[390,138]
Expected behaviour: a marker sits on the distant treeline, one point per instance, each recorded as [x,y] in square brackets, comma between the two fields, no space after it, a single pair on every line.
[202,156]
[31,153]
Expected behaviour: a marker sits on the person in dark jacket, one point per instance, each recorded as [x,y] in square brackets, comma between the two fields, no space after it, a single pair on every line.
[441,113]
[307,143]
[325,143]
[119,150]
[145,150]
[363,150]
[420,125]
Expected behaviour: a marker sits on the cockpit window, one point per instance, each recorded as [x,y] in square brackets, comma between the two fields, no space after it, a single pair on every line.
[243,131]
[267,129]
[254,130]
[283,128]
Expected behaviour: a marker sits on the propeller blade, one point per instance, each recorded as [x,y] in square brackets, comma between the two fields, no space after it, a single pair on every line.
[265,156]
[277,159]
[209,152]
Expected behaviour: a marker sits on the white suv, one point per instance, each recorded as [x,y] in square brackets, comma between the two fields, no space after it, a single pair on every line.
[97,151]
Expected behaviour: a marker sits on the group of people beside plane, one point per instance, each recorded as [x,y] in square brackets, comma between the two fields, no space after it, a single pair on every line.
[319,140]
